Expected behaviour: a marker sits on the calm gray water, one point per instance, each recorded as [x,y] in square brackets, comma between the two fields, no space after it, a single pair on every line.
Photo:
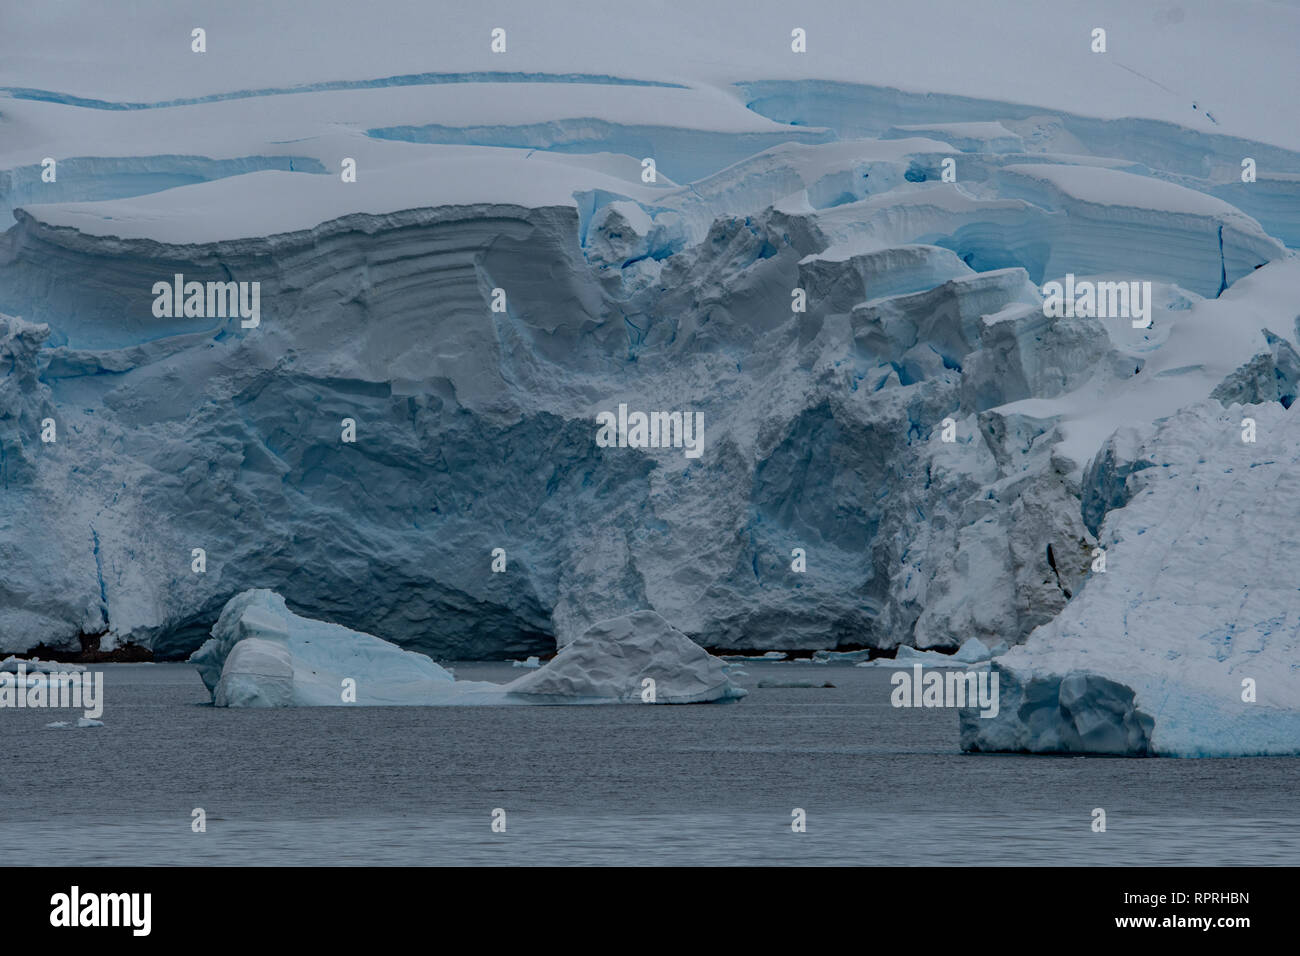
[708,784]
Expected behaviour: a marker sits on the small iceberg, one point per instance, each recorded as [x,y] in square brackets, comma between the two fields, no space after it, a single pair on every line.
[972,651]
[841,657]
[768,656]
[19,672]
[14,665]
[635,658]
[261,654]
[81,722]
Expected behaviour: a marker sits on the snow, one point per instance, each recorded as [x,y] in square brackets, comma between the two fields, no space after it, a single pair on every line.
[939,46]
[967,137]
[1192,347]
[523,171]
[1111,187]
[273,201]
[261,654]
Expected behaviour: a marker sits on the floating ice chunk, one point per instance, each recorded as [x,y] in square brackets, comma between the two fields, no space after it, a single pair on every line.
[81,722]
[532,663]
[261,654]
[910,655]
[972,651]
[614,661]
[12,665]
[769,656]
[841,657]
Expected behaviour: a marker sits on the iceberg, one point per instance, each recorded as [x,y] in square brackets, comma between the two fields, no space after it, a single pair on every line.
[972,651]
[841,657]
[261,654]
[82,723]
[635,658]
[1188,644]
[34,665]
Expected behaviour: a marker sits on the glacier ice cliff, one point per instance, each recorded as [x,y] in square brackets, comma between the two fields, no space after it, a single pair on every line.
[946,458]
[475,428]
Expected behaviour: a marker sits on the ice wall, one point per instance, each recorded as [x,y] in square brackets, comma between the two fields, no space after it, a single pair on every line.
[920,456]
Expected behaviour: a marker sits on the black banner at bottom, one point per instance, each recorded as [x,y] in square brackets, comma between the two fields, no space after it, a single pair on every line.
[331,905]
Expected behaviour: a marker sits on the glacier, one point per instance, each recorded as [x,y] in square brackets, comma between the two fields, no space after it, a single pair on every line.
[827,429]
[1189,644]
[261,654]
